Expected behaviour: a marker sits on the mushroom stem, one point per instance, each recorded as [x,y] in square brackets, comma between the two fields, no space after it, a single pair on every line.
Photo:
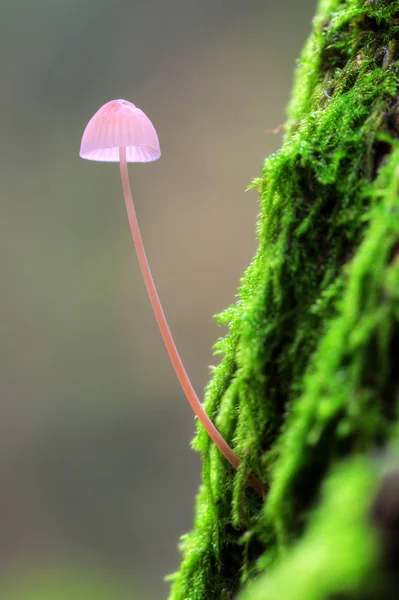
[174,356]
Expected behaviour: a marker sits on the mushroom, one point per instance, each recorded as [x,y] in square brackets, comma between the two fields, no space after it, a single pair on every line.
[121,132]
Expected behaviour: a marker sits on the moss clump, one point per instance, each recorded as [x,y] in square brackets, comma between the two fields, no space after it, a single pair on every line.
[339,551]
[309,370]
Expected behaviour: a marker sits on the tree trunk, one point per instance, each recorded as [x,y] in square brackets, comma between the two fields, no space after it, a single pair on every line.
[308,387]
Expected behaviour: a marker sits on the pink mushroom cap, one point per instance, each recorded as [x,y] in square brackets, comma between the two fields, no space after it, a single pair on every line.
[117,124]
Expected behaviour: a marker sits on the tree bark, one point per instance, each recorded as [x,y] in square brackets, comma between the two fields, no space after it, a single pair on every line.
[308,388]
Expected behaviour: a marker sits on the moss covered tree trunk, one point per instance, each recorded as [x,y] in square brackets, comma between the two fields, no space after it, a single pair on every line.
[308,387]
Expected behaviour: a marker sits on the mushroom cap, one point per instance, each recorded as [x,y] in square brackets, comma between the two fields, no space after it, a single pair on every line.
[120,123]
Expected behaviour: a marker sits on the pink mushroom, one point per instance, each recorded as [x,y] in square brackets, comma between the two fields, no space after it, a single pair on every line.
[121,132]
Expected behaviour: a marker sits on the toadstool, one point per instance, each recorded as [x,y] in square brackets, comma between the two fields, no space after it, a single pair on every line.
[121,132]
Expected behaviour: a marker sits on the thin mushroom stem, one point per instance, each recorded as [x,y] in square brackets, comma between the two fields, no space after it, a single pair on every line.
[174,356]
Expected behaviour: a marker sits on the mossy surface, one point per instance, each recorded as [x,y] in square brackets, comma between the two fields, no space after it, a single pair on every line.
[338,554]
[309,372]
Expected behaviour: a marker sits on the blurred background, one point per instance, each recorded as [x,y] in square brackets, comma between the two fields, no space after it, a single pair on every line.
[97,478]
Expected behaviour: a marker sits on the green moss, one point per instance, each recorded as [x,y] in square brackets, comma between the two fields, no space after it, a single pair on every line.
[339,552]
[308,374]
[349,392]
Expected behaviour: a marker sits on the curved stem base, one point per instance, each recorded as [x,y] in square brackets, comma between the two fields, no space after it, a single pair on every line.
[165,331]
